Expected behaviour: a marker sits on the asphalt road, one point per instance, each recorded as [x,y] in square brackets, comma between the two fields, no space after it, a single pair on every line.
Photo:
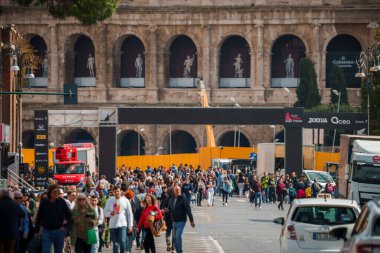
[238,227]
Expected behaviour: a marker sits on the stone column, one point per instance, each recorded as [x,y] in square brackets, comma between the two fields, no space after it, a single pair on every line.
[315,55]
[206,73]
[53,82]
[259,78]
[153,77]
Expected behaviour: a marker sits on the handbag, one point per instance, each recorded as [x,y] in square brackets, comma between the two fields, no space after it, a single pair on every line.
[91,236]
[156,226]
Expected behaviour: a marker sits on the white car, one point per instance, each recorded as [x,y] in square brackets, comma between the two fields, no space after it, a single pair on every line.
[306,229]
[321,177]
[365,236]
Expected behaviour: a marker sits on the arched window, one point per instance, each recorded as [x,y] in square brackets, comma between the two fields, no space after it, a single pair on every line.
[79,136]
[235,63]
[41,74]
[132,71]
[131,143]
[181,142]
[343,50]
[287,52]
[183,67]
[234,139]
[85,62]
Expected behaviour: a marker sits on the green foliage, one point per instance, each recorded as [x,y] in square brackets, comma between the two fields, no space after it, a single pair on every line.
[333,108]
[338,82]
[307,91]
[87,11]
[374,102]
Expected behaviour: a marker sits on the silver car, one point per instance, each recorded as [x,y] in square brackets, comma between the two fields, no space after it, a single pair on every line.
[365,236]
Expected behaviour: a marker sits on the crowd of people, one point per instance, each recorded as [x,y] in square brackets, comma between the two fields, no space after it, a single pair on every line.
[121,212]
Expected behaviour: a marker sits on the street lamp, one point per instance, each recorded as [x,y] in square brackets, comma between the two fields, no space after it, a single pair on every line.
[339,94]
[24,57]
[366,59]
[236,105]
[288,94]
[274,132]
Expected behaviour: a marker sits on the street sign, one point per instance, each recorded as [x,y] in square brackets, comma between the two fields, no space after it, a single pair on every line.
[253,156]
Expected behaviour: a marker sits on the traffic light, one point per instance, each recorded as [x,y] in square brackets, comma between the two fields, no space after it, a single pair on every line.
[71,94]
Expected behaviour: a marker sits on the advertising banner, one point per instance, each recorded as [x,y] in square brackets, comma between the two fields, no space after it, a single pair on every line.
[293,117]
[41,147]
[331,120]
[347,62]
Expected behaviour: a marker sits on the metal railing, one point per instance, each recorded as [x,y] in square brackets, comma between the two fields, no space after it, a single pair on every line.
[16,181]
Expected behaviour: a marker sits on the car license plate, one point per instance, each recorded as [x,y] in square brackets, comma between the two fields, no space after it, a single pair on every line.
[324,237]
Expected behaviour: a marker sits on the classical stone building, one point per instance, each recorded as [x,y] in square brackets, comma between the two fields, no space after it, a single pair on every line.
[151,52]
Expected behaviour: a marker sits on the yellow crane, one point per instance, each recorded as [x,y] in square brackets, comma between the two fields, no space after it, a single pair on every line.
[204,103]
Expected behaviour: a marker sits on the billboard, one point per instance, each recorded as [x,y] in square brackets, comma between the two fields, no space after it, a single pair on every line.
[41,148]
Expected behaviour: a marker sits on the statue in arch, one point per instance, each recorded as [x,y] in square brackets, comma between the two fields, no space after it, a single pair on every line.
[289,66]
[238,70]
[188,64]
[138,66]
[90,65]
[45,66]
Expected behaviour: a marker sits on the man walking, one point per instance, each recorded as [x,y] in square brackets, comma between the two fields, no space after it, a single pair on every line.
[10,213]
[119,210]
[179,208]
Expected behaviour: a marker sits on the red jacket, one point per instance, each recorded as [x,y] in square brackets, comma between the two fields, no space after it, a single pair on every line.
[144,216]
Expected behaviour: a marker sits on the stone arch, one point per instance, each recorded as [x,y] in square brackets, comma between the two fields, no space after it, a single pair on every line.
[28,139]
[234,59]
[125,50]
[182,142]
[231,138]
[76,64]
[343,50]
[129,142]
[79,135]
[283,47]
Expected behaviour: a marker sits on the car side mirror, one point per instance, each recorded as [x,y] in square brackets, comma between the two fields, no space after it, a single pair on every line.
[340,233]
[279,220]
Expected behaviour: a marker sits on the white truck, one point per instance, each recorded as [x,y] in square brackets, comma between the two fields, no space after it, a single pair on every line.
[362,173]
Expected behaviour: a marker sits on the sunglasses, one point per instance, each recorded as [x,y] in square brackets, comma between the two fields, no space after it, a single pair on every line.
[18,197]
[81,199]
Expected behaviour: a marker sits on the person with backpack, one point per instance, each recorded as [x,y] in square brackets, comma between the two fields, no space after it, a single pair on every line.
[280,191]
[94,201]
[315,188]
[292,193]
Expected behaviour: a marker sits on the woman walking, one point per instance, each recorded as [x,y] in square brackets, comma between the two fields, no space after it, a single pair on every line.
[84,219]
[280,190]
[150,206]
[240,184]
[226,189]
[210,191]
[200,189]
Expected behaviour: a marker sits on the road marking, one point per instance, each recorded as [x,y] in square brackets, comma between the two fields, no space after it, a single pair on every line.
[216,244]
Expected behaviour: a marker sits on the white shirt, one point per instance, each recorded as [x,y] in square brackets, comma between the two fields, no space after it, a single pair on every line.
[100,214]
[125,216]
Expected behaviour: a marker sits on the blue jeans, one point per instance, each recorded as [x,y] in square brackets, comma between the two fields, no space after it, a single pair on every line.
[119,239]
[52,236]
[266,198]
[95,247]
[178,228]
[258,198]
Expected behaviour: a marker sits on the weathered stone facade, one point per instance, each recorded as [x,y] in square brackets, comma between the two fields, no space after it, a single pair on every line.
[208,23]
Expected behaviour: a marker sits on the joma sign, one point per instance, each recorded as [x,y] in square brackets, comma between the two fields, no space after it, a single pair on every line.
[334,120]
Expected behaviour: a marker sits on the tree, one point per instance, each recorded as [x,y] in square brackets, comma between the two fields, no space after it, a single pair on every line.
[338,82]
[374,101]
[87,11]
[307,91]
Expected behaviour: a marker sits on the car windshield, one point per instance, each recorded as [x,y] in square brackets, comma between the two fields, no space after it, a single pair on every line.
[321,177]
[366,173]
[69,169]
[324,215]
